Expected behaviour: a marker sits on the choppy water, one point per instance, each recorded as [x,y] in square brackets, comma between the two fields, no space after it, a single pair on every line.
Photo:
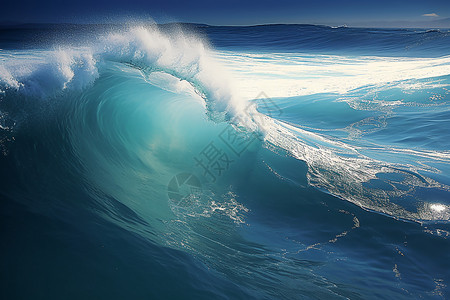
[266,162]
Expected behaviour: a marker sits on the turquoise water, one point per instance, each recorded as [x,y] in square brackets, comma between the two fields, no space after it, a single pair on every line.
[266,162]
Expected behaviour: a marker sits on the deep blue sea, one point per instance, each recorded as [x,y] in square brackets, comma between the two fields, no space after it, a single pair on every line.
[188,161]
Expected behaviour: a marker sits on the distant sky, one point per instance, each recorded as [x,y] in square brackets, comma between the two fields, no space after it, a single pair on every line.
[230,12]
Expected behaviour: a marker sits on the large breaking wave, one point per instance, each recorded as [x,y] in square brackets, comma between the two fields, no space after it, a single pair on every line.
[145,75]
[240,158]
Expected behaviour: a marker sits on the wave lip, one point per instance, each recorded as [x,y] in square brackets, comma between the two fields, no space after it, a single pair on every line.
[147,49]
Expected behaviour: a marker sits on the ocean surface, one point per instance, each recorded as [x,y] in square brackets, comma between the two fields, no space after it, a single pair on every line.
[187,161]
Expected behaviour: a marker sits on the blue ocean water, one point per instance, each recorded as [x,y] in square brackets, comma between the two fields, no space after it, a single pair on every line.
[188,161]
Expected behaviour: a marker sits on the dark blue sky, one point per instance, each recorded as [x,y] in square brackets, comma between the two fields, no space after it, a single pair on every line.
[231,12]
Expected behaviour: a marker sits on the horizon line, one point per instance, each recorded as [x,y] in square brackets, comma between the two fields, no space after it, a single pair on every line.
[344,25]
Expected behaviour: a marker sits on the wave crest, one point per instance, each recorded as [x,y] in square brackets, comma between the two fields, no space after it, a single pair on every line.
[185,56]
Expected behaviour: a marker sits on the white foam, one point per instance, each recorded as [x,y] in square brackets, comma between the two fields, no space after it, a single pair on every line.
[344,172]
[44,73]
[287,75]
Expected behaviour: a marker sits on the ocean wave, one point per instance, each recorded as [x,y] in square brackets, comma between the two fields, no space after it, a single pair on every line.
[239,159]
[182,64]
